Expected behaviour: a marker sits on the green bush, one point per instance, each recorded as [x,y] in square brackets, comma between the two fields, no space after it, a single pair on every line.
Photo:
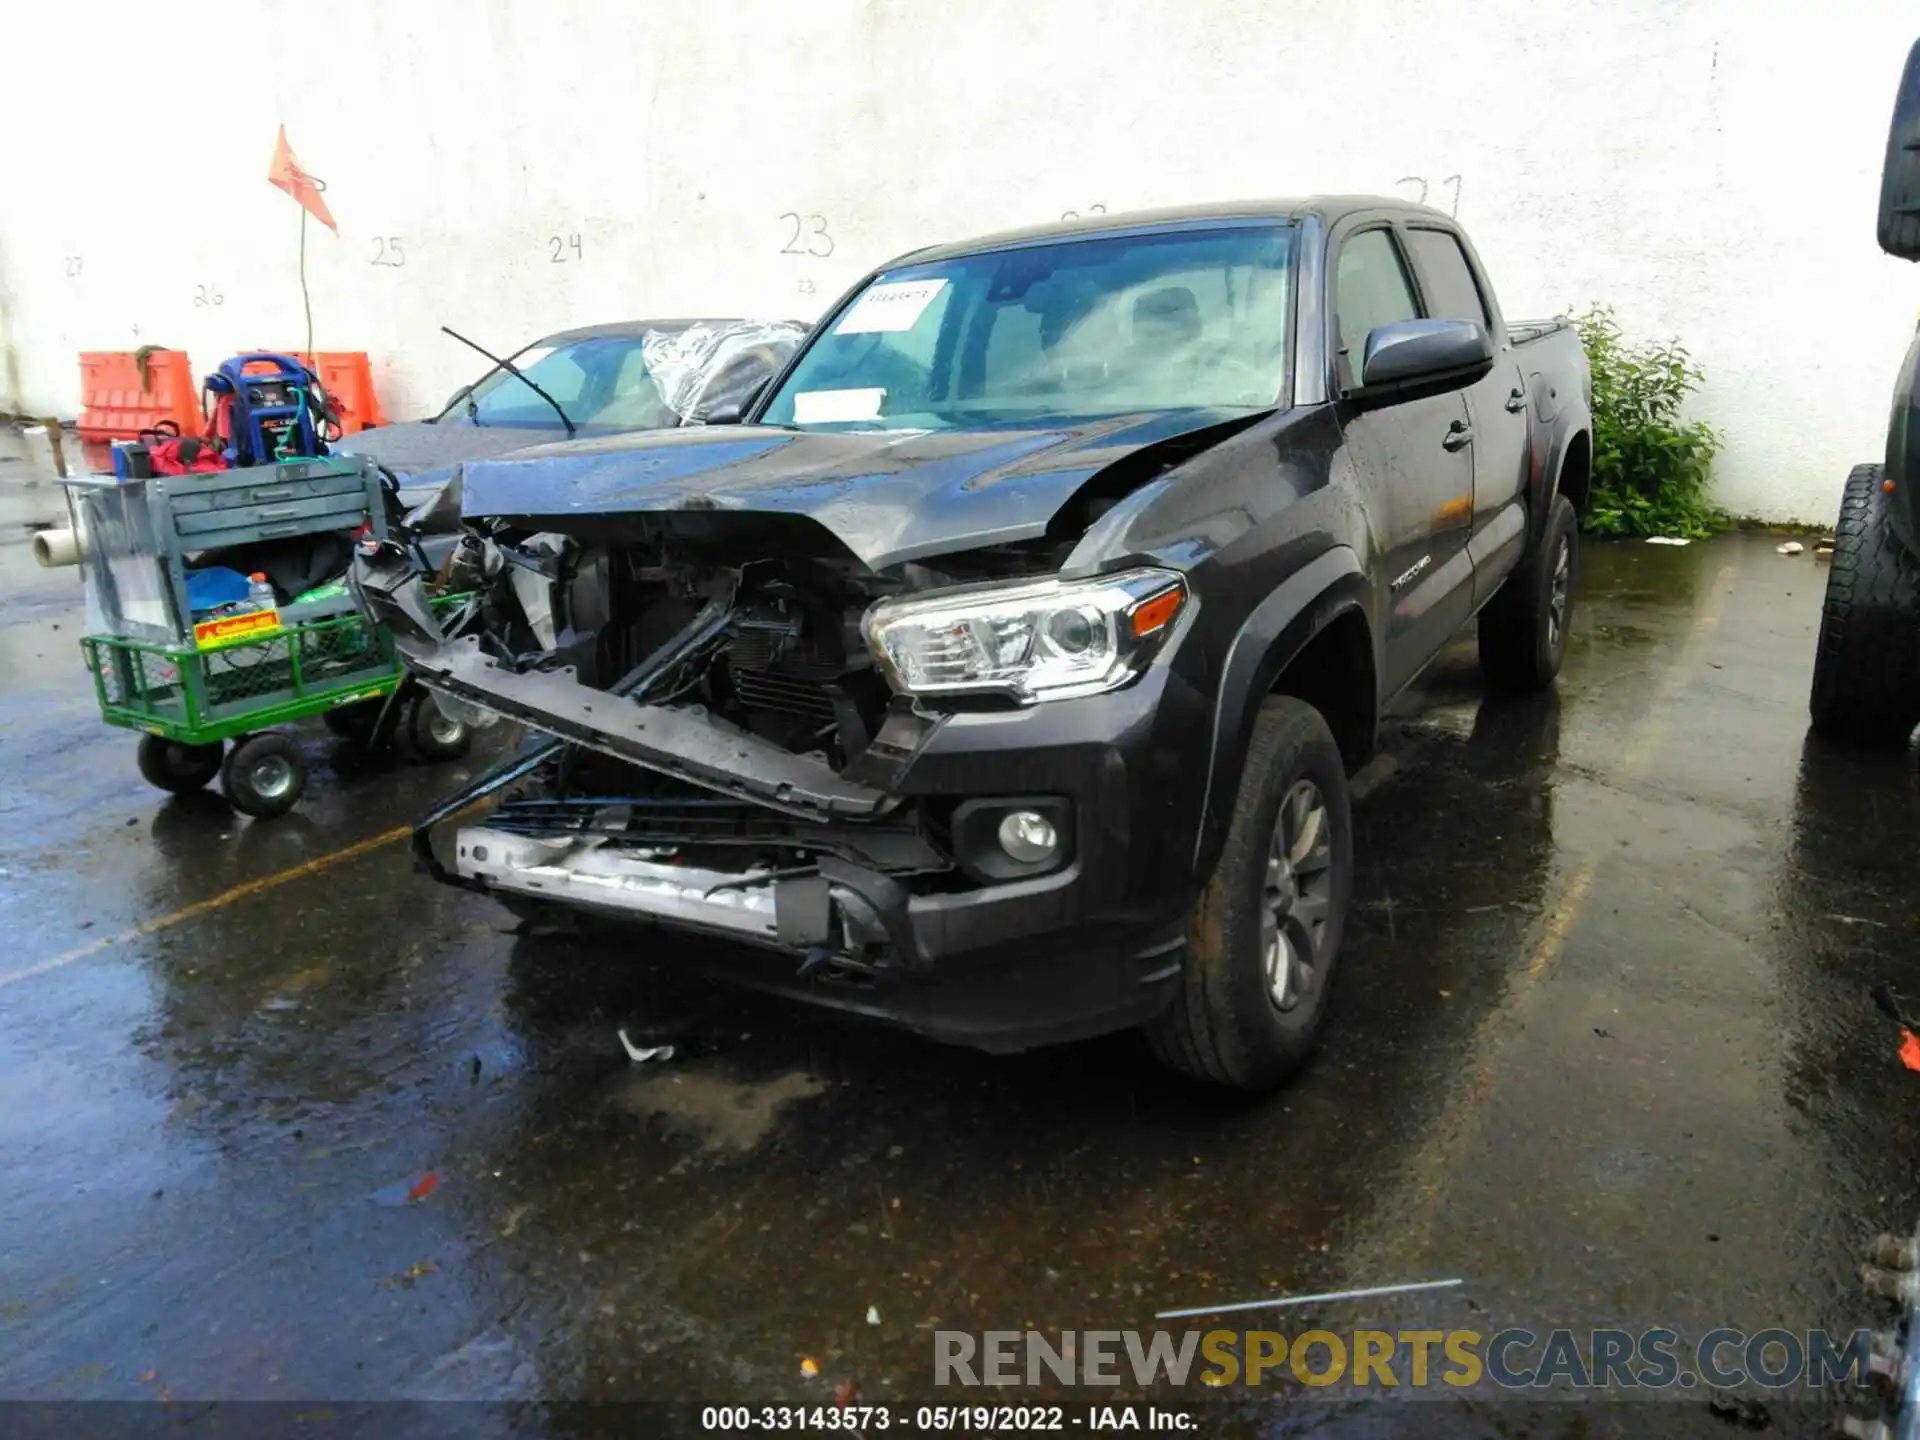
[1651,469]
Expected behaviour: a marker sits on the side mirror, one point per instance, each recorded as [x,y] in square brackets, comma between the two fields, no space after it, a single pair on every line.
[732,409]
[1424,357]
[455,398]
[1900,175]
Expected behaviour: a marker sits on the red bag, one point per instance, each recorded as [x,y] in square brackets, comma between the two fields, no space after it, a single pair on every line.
[172,453]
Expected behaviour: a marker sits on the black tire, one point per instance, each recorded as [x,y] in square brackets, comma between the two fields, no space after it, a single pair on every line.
[436,736]
[1225,1024]
[1900,171]
[354,723]
[264,775]
[1523,629]
[1866,668]
[179,769]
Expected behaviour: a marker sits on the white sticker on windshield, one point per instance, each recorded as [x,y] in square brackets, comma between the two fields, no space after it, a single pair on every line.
[889,307]
[826,407]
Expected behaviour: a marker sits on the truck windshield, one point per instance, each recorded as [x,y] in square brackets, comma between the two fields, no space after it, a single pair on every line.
[1106,325]
[600,381]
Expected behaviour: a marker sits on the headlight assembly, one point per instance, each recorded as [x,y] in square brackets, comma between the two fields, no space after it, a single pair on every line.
[1034,640]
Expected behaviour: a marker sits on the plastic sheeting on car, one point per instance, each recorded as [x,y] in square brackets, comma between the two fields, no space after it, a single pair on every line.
[717,364]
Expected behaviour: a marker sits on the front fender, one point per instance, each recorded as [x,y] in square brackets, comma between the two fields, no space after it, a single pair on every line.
[1279,628]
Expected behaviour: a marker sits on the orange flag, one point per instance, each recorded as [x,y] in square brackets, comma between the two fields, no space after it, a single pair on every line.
[287,174]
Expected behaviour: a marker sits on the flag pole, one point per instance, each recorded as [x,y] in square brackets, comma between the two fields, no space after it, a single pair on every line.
[305,299]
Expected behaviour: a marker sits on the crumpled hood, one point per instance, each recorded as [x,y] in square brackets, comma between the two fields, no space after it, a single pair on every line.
[425,455]
[887,496]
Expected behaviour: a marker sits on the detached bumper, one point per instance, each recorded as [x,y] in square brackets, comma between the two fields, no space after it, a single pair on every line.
[669,739]
[995,968]
[871,927]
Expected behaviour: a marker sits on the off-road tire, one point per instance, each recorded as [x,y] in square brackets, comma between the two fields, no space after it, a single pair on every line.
[1523,636]
[179,769]
[264,775]
[1866,668]
[1899,180]
[1223,1026]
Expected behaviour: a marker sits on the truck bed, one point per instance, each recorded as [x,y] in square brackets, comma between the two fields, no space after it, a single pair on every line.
[1525,332]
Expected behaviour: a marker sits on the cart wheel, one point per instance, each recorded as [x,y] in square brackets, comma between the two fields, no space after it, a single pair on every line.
[264,775]
[436,736]
[354,722]
[182,769]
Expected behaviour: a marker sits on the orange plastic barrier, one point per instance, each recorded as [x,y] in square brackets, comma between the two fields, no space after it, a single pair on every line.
[348,378]
[116,406]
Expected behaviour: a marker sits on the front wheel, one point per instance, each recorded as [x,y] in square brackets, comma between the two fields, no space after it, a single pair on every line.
[1866,667]
[264,775]
[436,735]
[1263,937]
[180,769]
[1523,629]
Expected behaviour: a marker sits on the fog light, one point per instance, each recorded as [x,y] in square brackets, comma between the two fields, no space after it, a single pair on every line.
[1027,836]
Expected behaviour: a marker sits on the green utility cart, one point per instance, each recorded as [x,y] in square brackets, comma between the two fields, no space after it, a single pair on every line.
[210,691]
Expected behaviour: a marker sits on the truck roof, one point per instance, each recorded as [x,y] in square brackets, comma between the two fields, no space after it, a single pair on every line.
[1328,208]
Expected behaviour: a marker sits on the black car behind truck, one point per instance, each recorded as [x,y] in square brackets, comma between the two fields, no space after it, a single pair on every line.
[1002,671]
[1866,671]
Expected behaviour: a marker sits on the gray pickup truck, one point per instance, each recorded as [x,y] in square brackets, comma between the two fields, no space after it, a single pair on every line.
[1000,672]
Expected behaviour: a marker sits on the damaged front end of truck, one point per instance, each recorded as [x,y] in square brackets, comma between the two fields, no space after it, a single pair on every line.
[726,673]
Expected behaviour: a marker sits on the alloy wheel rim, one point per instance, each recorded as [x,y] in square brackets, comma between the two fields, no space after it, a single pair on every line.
[1561,592]
[1297,895]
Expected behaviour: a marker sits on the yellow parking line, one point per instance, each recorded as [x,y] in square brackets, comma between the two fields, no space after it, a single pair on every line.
[243,891]
[1427,1166]
[1566,910]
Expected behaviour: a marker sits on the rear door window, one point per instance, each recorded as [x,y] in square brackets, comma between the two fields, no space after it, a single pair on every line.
[1446,279]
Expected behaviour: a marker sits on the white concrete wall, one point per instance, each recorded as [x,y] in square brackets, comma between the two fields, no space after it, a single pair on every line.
[1707,166]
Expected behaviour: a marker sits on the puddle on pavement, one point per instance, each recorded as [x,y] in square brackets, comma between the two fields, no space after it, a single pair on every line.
[723,1115]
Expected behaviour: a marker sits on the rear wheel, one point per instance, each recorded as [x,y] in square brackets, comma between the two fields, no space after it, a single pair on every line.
[1523,629]
[264,775]
[181,769]
[355,722]
[1264,934]
[1866,668]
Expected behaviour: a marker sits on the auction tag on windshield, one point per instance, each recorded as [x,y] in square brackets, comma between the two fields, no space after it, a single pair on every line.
[224,630]
[825,407]
[898,306]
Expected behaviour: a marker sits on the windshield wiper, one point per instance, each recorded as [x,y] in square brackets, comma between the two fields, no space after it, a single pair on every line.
[511,369]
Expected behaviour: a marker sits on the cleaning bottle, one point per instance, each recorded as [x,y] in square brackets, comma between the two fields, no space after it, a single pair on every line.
[260,594]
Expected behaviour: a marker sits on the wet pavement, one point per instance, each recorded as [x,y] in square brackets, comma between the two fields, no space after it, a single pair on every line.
[279,1123]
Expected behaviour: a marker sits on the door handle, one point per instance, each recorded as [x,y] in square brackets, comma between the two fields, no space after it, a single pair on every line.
[1516,402]
[1459,436]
